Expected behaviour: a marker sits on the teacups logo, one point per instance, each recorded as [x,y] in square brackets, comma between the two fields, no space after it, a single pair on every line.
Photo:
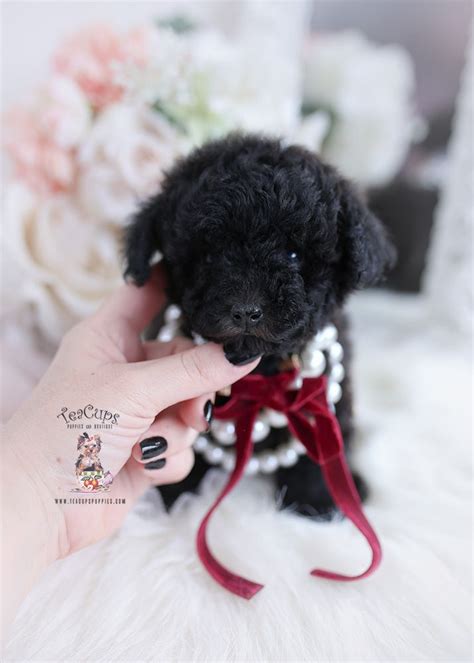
[88,417]
[90,474]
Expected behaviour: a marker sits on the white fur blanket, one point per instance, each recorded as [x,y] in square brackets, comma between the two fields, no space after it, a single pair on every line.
[143,595]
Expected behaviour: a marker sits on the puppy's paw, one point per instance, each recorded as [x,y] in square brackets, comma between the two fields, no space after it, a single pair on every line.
[241,354]
[361,485]
[321,508]
[305,492]
[321,512]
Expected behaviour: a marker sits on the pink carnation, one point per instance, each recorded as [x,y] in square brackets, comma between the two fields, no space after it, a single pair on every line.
[43,165]
[91,55]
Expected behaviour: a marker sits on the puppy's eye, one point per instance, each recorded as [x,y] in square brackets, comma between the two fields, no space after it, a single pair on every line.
[292,256]
[208,258]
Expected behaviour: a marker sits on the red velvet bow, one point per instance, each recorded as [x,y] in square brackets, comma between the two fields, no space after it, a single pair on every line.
[312,422]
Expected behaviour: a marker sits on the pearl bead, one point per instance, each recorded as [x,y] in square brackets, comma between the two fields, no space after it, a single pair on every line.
[228,461]
[213,454]
[200,443]
[316,342]
[172,313]
[334,392]
[331,332]
[297,446]
[296,384]
[198,339]
[336,352]
[223,431]
[167,333]
[314,363]
[268,462]
[274,418]
[260,430]
[312,344]
[286,456]
[252,467]
[326,337]
[337,373]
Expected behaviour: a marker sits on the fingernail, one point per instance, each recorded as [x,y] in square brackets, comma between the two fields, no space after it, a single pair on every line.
[153,446]
[238,360]
[208,408]
[155,464]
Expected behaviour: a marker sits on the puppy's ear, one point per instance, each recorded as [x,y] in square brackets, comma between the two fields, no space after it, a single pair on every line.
[80,441]
[142,240]
[366,252]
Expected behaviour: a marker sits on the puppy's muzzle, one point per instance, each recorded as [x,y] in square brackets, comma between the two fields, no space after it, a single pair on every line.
[246,316]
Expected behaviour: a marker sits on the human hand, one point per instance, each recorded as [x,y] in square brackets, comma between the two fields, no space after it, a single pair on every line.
[150,389]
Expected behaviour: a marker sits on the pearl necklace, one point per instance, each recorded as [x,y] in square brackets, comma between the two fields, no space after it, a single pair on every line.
[322,351]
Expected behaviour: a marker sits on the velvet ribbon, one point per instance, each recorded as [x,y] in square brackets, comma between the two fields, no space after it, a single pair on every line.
[314,424]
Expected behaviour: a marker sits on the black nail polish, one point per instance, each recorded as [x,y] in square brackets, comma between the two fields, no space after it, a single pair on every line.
[239,360]
[153,446]
[155,464]
[208,408]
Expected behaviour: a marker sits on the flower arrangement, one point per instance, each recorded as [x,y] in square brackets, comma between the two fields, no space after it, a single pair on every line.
[119,109]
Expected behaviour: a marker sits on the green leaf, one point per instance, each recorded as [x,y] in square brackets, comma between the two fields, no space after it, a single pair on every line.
[179,23]
[159,107]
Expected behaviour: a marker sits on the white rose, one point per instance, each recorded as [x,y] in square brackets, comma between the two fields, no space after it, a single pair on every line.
[312,131]
[252,85]
[123,160]
[211,84]
[168,73]
[63,112]
[186,75]
[69,265]
[368,90]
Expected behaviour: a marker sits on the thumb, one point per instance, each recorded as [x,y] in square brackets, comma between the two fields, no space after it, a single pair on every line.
[184,375]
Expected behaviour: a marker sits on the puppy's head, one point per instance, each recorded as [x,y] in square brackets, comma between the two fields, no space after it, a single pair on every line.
[89,446]
[261,243]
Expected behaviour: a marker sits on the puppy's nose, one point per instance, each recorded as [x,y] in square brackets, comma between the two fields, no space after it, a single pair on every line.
[245,315]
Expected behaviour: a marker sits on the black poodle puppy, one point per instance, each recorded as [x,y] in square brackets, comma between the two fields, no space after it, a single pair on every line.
[262,244]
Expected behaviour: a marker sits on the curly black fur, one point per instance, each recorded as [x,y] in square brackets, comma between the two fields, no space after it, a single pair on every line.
[262,244]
